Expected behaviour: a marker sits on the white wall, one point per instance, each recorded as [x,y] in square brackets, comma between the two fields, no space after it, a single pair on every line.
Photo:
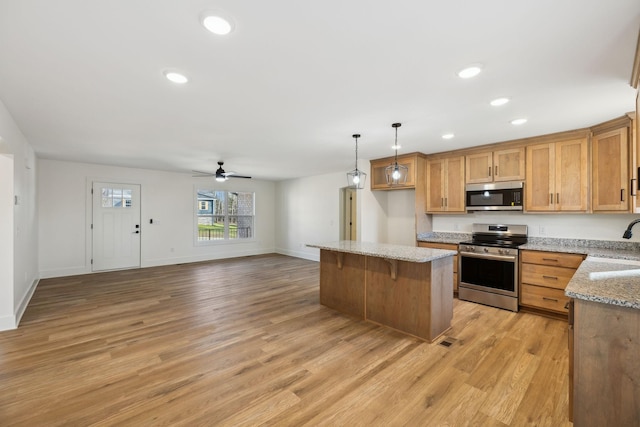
[166,197]
[18,225]
[571,226]
[308,211]
[7,321]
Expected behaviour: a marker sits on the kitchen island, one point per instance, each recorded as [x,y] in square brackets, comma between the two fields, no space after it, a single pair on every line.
[406,288]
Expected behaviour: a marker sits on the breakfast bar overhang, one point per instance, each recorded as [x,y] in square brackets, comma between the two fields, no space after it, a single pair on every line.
[409,289]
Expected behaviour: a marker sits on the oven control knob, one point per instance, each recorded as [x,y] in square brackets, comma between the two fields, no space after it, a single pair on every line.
[486,249]
[501,251]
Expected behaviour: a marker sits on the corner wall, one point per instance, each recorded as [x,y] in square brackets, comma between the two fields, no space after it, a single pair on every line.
[18,224]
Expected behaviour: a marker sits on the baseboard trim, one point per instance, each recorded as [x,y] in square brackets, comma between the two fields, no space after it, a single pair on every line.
[22,307]
[299,254]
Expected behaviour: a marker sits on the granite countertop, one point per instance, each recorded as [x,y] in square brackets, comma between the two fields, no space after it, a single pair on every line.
[596,248]
[443,237]
[384,250]
[609,281]
[610,274]
[599,248]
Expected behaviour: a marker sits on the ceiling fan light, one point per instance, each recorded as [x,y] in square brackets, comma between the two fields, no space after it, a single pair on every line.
[221,178]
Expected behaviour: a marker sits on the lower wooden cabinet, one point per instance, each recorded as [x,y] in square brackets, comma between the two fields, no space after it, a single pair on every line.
[604,365]
[450,247]
[544,275]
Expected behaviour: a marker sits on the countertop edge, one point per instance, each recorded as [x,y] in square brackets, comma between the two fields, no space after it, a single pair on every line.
[387,251]
[615,290]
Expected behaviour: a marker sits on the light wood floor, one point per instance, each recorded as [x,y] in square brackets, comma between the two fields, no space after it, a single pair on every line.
[244,342]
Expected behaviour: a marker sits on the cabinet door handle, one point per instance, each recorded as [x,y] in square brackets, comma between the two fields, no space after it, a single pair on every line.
[445,201]
[495,170]
[558,198]
[550,198]
[489,170]
[550,277]
[633,187]
[622,194]
[549,299]
[442,202]
[550,259]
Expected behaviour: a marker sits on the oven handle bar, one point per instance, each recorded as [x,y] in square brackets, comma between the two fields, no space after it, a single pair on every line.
[512,258]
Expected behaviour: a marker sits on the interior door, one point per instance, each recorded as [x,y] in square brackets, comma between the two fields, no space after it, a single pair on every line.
[349,211]
[116,226]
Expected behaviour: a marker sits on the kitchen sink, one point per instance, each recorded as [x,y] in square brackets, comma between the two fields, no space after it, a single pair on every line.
[614,260]
[613,274]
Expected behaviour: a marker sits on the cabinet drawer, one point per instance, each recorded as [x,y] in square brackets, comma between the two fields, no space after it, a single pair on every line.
[544,275]
[545,298]
[551,258]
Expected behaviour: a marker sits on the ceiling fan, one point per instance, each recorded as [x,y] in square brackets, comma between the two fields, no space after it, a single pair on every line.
[220,174]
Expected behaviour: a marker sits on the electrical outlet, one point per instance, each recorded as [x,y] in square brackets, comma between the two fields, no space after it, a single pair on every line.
[542,231]
[456,227]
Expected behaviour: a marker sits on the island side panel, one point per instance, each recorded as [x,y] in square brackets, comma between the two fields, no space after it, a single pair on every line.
[402,303]
[441,296]
[342,282]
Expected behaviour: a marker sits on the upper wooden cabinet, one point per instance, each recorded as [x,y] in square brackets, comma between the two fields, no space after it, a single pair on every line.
[379,178]
[557,177]
[502,165]
[610,184]
[445,185]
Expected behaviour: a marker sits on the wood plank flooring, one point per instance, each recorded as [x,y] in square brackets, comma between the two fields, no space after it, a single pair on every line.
[244,342]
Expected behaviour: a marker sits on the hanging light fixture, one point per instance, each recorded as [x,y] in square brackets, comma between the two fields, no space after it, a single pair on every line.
[396,174]
[356,178]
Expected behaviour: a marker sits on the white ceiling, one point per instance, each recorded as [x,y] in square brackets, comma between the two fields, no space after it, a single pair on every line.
[281,96]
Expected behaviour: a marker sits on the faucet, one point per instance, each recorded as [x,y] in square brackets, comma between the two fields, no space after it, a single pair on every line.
[627,234]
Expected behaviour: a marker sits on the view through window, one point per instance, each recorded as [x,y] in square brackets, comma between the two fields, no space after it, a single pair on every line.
[225,215]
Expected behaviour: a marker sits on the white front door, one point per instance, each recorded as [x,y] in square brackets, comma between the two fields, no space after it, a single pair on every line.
[116,226]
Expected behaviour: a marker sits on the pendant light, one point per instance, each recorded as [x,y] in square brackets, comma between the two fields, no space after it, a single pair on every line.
[396,174]
[356,178]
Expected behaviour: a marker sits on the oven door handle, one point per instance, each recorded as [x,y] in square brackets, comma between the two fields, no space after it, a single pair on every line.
[511,258]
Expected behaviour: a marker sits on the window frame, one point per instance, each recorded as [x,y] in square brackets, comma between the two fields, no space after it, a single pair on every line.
[198,189]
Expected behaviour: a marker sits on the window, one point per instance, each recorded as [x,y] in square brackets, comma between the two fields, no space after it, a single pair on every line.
[224,215]
[116,197]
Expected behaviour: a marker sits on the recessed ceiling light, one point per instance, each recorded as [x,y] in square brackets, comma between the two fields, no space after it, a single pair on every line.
[469,72]
[517,122]
[217,22]
[176,77]
[447,136]
[499,101]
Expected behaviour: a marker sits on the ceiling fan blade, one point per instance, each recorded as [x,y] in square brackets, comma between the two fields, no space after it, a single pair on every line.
[237,176]
[201,174]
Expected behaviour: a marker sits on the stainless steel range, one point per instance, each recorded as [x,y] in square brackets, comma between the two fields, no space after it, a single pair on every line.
[488,265]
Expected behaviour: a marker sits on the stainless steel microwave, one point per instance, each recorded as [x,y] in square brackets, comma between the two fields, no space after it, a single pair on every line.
[495,196]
